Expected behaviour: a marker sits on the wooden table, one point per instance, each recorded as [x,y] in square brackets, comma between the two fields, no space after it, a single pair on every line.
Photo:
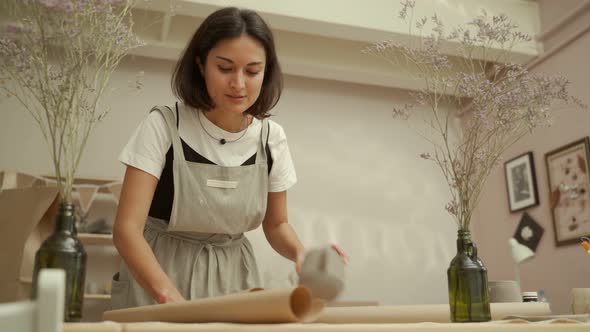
[501,326]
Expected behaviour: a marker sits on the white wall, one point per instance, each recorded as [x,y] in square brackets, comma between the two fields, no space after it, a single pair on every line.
[361,182]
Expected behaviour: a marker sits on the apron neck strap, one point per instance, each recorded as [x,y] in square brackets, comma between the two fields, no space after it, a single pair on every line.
[172,123]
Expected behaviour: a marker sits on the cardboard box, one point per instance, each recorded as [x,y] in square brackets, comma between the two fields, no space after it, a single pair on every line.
[27,217]
[28,206]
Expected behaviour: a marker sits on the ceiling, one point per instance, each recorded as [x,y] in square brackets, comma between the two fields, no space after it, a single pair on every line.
[323,39]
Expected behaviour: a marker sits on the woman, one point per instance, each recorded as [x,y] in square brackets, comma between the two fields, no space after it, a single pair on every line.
[205,170]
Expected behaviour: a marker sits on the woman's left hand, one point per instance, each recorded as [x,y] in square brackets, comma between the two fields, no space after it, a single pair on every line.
[301,257]
[299,262]
[341,252]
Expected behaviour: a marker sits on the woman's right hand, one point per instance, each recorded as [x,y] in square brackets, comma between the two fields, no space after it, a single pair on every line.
[170,296]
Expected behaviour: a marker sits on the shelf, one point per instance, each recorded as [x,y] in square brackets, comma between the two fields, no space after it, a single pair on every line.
[25,280]
[97,297]
[86,296]
[96,239]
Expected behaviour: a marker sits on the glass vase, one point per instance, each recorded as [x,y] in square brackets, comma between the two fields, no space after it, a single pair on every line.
[468,283]
[63,250]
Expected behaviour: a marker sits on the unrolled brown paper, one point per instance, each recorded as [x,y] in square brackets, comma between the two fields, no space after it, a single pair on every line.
[435,313]
[296,305]
[260,306]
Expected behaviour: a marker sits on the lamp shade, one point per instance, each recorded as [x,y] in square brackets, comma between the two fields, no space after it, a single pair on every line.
[520,252]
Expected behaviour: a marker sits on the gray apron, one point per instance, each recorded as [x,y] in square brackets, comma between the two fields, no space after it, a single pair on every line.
[203,249]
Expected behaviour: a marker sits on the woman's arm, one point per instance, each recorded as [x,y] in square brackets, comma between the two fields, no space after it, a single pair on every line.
[136,196]
[278,232]
[282,236]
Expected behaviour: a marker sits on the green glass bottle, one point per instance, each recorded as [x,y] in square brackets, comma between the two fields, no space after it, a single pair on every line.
[62,249]
[468,283]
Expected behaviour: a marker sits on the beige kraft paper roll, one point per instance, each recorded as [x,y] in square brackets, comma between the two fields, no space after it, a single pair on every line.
[260,306]
[436,313]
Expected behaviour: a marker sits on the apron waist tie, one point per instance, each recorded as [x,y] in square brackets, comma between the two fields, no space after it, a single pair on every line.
[204,239]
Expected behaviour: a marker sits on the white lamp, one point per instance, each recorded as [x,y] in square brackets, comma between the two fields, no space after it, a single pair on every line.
[520,254]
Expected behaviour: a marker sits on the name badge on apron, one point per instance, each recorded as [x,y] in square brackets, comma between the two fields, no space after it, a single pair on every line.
[222,184]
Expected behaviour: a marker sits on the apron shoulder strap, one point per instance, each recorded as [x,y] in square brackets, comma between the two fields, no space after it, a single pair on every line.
[172,119]
[267,132]
[261,156]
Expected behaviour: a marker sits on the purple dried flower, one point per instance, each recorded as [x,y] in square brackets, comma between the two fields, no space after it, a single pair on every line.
[60,5]
[82,38]
[506,100]
[402,112]
[12,28]
[452,207]
[405,5]
[426,156]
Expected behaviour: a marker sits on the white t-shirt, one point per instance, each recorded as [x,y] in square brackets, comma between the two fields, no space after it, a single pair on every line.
[147,148]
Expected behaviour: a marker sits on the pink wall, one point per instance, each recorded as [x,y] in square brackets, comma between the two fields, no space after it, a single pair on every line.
[555,269]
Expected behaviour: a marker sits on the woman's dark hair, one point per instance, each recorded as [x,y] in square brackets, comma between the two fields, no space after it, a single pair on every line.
[187,81]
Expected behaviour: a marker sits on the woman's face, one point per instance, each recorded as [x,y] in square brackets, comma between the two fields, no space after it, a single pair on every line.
[234,72]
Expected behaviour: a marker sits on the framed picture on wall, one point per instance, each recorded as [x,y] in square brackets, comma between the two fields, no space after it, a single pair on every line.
[567,171]
[521,182]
